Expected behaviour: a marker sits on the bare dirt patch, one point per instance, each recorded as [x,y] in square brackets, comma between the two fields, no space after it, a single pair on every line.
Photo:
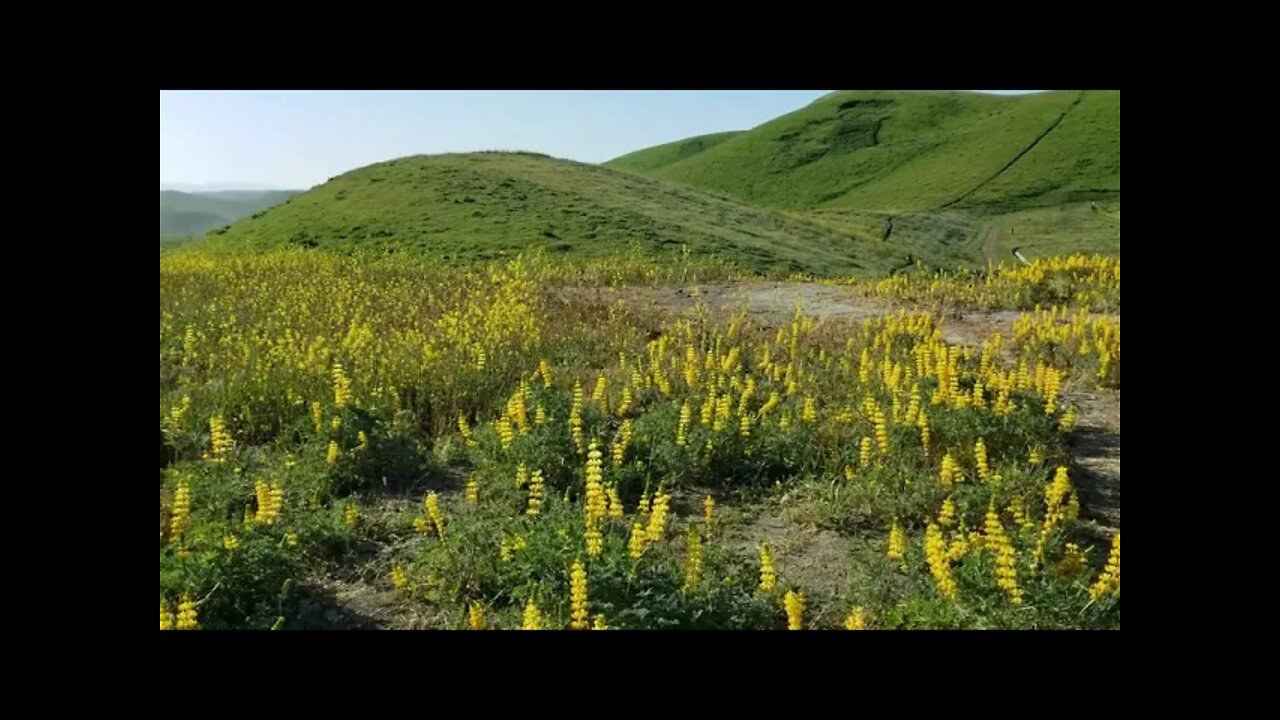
[1095,447]
[816,559]
[772,304]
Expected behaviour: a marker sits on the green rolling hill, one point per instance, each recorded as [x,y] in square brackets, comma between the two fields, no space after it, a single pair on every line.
[659,156]
[911,152]
[465,207]
[854,183]
[956,172]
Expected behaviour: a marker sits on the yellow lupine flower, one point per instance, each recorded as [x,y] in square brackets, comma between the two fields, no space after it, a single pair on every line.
[693,561]
[219,439]
[1108,582]
[857,619]
[935,551]
[768,573]
[187,616]
[897,542]
[475,617]
[532,617]
[578,596]
[432,505]
[794,604]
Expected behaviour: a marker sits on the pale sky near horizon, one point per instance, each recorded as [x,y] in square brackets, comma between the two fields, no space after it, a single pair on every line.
[298,139]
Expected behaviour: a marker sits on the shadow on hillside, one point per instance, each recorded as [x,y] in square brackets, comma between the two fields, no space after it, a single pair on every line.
[1097,462]
[320,608]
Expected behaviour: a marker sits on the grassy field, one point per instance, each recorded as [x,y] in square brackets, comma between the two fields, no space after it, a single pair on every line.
[1078,161]
[383,442]
[461,209]
[1061,230]
[943,239]
[788,378]
[902,152]
[662,155]
[950,178]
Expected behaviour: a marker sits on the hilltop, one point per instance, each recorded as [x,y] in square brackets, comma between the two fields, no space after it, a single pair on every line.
[659,156]
[854,183]
[912,151]
[192,213]
[959,177]
[465,207]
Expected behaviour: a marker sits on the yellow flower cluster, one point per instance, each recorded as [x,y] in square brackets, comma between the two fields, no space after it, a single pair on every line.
[578,611]
[620,444]
[1006,557]
[475,617]
[693,562]
[177,416]
[595,507]
[1090,281]
[181,508]
[341,386]
[794,603]
[532,617]
[947,515]
[398,578]
[432,504]
[615,502]
[768,573]
[897,542]
[219,439]
[508,548]
[935,552]
[575,418]
[270,501]
[1108,582]
[980,458]
[187,616]
[638,540]
[1072,562]
[857,619]
[535,493]
[682,429]
[658,518]
[949,471]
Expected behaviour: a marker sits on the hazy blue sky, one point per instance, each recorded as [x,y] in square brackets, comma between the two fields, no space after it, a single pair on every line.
[299,139]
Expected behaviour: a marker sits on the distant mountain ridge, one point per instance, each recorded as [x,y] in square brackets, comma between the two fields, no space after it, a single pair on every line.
[187,214]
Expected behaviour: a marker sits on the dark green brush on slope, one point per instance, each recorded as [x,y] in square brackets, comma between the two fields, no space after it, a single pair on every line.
[466,207]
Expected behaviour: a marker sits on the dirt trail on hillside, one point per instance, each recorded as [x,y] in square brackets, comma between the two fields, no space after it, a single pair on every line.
[357,594]
[772,304]
[1095,447]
